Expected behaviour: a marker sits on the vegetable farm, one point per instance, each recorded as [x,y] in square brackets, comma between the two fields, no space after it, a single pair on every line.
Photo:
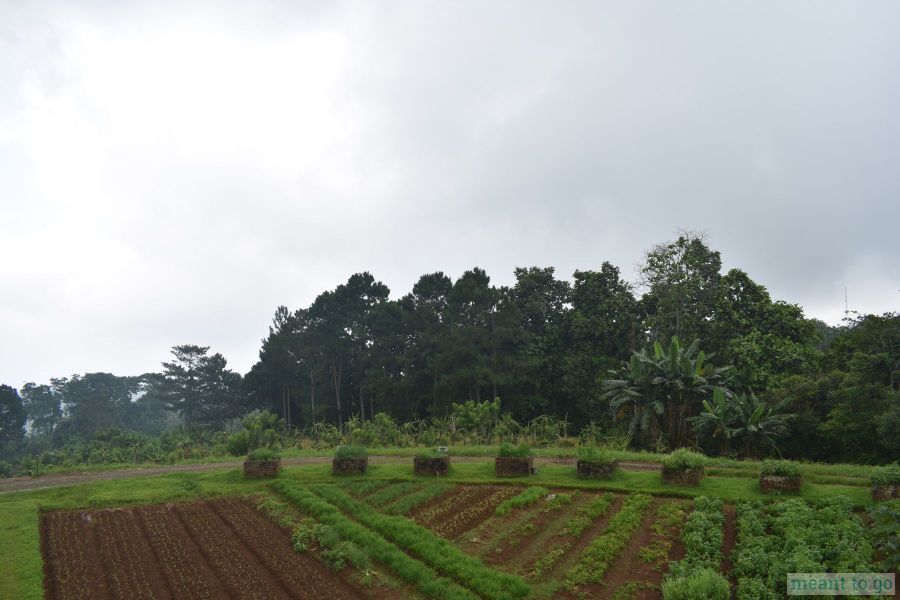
[464,536]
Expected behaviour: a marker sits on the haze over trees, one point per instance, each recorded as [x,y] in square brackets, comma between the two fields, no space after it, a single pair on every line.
[699,358]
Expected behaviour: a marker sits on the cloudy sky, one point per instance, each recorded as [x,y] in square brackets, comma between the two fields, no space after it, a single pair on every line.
[171,172]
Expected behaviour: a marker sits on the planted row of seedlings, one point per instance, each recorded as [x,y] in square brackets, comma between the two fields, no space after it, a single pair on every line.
[430,548]
[643,570]
[697,574]
[409,569]
[792,536]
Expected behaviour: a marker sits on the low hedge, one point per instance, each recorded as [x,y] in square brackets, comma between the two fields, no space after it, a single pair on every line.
[781,468]
[684,460]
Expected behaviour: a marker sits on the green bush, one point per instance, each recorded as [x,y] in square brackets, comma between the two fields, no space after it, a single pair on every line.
[886,475]
[263,454]
[351,452]
[5,469]
[684,460]
[520,451]
[704,584]
[781,468]
[594,454]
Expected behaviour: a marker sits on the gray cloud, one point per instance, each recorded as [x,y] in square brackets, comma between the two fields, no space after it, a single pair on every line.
[171,174]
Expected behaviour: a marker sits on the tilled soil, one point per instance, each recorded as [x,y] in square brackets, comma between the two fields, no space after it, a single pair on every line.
[209,549]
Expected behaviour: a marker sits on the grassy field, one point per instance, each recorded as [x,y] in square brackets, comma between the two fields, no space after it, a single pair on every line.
[20,556]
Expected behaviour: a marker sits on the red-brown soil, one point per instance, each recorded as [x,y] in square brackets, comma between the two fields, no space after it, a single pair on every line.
[460,512]
[209,549]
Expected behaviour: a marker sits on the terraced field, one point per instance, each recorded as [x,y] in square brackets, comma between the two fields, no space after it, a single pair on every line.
[365,538]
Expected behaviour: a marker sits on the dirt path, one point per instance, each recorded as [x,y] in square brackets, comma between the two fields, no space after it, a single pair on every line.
[25,484]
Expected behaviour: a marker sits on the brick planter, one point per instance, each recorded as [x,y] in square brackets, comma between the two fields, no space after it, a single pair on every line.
[262,468]
[682,476]
[779,483]
[888,491]
[513,466]
[596,469]
[431,466]
[348,466]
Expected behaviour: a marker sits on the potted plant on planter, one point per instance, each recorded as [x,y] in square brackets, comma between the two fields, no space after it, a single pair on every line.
[431,462]
[262,462]
[885,482]
[683,467]
[595,463]
[780,476]
[514,461]
[349,459]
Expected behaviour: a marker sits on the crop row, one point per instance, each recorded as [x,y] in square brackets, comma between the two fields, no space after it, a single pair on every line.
[390,493]
[409,502]
[459,497]
[432,549]
[792,536]
[118,545]
[223,552]
[181,572]
[407,568]
[521,500]
[574,526]
[702,536]
[70,567]
[597,557]
[361,487]
[464,516]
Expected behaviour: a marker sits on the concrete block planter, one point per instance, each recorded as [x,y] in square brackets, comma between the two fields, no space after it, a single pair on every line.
[889,491]
[513,466]
[592,469]
[262,468]
[780,483]
[682,476]
[431,466]
[348,466]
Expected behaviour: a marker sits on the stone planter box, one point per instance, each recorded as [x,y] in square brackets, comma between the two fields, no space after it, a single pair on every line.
[431,466]
[348,466]
[887,491]
[682,476]
[262,468]
[513,466]
[779,483]
[587,469]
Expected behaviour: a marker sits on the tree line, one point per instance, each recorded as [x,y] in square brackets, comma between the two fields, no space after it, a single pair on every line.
[699,357]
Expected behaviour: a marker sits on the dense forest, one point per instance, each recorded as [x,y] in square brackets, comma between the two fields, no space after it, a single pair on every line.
[698,358]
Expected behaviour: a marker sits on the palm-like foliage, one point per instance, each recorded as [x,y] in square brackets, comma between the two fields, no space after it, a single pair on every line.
[659,392]
[743,419]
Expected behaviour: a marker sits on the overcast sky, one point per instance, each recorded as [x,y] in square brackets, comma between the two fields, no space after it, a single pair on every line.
[171,172]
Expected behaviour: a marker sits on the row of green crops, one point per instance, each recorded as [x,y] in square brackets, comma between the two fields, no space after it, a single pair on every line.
[595,560]
[406,503]
[697,574]
[702,536]
[586,515]
[792,536]
[527,497]
[388,494]
[432,549]
[407,568]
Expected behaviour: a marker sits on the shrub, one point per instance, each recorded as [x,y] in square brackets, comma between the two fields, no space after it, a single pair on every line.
[704,584]
[520,451]
[5,469]
[684,460]
[351,452]
[886,475]
[781,468]
[263,454]
[594,454]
